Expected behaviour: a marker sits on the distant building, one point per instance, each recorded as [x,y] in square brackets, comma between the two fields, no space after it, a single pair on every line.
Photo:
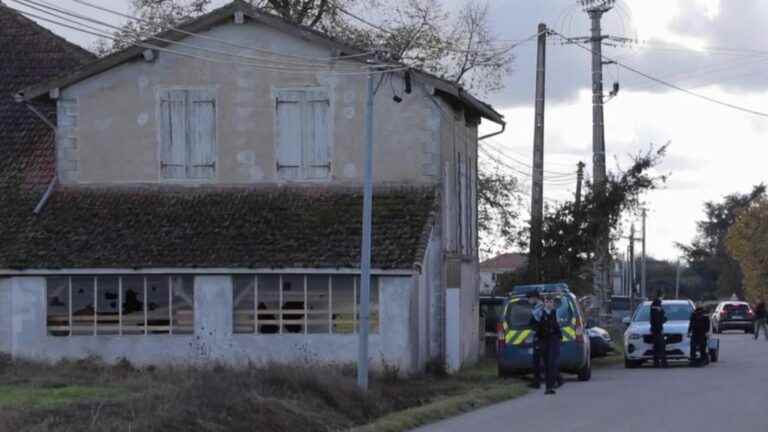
[492,268]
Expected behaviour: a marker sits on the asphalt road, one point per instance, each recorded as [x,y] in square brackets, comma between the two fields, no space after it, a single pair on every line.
[731,395]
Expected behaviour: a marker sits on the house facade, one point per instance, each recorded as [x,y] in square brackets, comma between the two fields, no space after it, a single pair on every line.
[492,268]
[206,206]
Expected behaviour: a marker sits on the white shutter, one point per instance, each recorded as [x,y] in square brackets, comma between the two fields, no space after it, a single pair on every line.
[289,134]
[316,154]
[202,146]
[173,133]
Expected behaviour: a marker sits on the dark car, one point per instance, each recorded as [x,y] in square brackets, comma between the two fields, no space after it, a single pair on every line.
[600,341]
[733,315]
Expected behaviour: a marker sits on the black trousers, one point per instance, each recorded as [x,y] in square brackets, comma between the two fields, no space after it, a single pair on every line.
[550,351]
[537,362]
[699,349]
[659,349]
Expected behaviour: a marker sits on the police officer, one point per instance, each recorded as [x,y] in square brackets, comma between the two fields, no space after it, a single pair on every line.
[549,334]
[658,318]
[698,327]
[537,307]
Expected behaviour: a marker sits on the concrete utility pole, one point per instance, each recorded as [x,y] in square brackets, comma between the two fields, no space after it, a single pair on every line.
[365,249]
[632,268]
[643,276]
[537,192]
[596,9]
[579,181]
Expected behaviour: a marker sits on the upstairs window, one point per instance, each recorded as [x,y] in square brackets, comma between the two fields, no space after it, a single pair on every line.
[188,134]
[302,134]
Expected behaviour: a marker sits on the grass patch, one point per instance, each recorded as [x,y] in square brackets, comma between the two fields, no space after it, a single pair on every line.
[90,396]
[19,396]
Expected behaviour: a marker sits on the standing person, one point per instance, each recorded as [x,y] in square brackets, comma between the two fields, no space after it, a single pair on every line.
[537,307]
[698,327]
[761,316]
[549,335]
[658,318]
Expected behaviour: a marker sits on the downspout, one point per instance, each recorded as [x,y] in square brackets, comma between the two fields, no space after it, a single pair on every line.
[39,207]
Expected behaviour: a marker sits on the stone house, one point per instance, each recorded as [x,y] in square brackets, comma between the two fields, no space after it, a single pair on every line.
[206,206]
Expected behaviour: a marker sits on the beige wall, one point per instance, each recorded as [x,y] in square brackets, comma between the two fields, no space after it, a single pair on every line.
[109,126]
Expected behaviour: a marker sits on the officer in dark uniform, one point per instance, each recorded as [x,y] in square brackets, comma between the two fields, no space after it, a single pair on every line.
[698,327]
[537,307]
[658,318]
[549,334]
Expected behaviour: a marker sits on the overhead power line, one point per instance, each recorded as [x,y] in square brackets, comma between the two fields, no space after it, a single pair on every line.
[665,83]
[79,27]
[214,39]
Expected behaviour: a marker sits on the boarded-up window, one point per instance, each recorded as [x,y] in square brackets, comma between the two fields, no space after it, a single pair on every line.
[188,134]
[300,304]
[302,134]
[108,305]
[83,305]
[58,306]
[243,302]
[318,305]
[182,304]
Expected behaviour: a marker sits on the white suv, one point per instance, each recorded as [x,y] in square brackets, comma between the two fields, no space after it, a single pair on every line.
[638,341]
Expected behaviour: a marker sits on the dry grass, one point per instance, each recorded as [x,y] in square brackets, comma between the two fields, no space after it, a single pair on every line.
[90,396]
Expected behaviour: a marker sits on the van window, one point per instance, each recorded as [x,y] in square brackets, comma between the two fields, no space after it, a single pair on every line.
[518,313]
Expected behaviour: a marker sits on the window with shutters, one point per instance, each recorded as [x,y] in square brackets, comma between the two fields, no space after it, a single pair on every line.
[187,134]
[302,134]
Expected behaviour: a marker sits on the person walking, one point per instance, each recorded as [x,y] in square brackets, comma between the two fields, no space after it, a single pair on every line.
[536,310]
[549,334]
[761,316]
[698,328]
[658,318]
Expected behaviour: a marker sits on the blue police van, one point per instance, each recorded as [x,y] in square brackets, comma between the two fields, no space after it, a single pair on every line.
[515,335]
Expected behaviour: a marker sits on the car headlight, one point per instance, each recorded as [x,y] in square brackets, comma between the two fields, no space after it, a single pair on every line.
[634,336]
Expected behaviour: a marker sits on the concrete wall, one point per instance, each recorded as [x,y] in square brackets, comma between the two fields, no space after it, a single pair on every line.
[109,122]
[213,339]
[5,315]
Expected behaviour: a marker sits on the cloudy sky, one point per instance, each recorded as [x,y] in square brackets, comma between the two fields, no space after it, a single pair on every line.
[713,47]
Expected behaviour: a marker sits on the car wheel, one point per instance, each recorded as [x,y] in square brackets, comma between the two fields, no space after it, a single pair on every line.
[746,331]
[585,374]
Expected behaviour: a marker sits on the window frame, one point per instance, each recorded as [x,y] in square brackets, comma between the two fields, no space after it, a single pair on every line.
[188,178]
[375,318]
[304,167]
[145,330]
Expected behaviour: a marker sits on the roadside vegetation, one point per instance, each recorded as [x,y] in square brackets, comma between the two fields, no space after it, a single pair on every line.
[88,395]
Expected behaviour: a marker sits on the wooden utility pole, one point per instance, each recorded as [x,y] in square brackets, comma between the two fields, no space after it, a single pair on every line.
[579,181]
[677,280]
[537,193]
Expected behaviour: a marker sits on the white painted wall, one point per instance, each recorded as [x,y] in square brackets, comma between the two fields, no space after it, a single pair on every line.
[213,339]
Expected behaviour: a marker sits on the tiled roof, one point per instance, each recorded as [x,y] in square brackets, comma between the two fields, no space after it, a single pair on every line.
[507,261]
[30,54]
[267,228]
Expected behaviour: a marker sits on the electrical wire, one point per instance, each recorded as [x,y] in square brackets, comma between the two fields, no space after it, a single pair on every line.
[548,174]
[208,59]
[46,7]
[667,84]
[218,40]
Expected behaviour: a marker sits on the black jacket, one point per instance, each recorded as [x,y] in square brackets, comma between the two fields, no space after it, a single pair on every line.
[658,317]
[547,328]
[760,312]
[698,326]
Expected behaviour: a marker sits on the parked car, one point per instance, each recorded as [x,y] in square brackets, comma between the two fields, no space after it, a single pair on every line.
[733,315]
[600,342]
[515,336]
[638,341]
